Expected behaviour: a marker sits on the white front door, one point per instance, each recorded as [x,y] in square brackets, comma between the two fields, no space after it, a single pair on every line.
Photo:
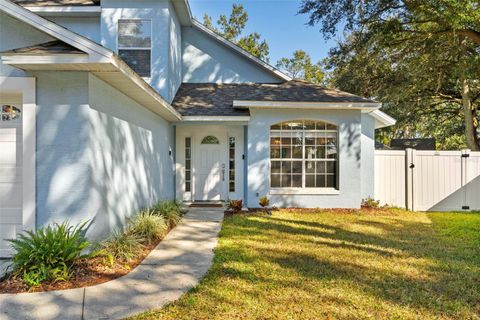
[209,170]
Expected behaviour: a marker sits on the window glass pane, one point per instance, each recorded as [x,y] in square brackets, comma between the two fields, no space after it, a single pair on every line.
[187,163]
[187,152]
[320,125]
[331,181]
[331,166]
[187,175]
[134,34]
[320,181]
[286,166]
[275,168]
[275,181]
[187,142]
[187,186]
[232,186]
[275,153]
[297,181]
[210,140]
[277,126]
[310,152]
[287,153]
[286,181]
[297,152]
[275,141]
[331,126]
[138,60]
[321,167]
[321,152]
[232,153]
[310,166]
[309,141]
[10,113]
[286,141]
[331,151]
[231,164]
[297,167]
[310,181]
[309,125]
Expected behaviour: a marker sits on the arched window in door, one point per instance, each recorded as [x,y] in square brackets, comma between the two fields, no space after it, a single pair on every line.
[210,140]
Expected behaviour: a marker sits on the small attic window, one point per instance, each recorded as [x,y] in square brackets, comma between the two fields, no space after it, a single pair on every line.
[135,44]
[210,140]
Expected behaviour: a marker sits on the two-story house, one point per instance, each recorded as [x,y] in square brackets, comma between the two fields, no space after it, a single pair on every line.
[109,106]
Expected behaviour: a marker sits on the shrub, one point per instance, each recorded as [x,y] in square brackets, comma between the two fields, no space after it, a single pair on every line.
[122,246]
[170,210]
[370,203]
[148,226]
[49,253]
[264,202]
[235,205]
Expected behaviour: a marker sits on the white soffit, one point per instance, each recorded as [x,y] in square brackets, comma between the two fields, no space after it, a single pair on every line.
[382,119]
[245,104]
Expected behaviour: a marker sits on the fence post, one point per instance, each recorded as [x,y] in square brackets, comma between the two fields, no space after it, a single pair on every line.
[409,183]
[464,182]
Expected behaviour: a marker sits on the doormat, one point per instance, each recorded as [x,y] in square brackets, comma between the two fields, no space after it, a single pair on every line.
[206,205]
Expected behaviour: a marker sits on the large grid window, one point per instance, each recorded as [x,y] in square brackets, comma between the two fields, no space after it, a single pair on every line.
[135,44]
[188,164]
[303,154]
[231,164]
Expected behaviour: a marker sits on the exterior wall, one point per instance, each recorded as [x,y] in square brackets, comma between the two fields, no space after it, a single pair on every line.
[349,148]
[199,131]
[16,34]
[368,156]
[129,149]
[88,27]
[207,60]
[159,12]
[175,54]
[64,172]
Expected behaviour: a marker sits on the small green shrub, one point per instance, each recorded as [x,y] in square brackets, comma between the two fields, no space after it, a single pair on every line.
[370,203]
[148,225]
[235,205]
[122,246]
[49,253]
[170,210]
[264,202]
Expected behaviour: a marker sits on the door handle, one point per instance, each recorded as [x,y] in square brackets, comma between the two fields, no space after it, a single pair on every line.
[223,172]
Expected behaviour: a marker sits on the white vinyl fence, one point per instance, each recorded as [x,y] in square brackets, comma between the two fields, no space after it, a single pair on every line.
[428,180]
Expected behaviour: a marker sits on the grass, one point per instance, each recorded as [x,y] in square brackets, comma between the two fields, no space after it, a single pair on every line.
[339,265]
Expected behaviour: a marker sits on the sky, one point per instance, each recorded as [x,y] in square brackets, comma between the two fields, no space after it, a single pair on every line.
[277,21]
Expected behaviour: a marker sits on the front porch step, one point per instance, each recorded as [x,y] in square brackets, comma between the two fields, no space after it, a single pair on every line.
[206,204]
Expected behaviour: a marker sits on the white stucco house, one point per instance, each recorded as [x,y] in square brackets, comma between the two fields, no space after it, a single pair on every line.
[109,106]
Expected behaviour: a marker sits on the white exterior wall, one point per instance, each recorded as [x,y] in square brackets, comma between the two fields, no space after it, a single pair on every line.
[368,155]
[89,27]
[131,152]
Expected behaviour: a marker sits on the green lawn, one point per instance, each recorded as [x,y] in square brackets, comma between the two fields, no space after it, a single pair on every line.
[346,265]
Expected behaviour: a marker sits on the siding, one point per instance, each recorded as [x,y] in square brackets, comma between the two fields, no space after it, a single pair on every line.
[207,60]
[88,27]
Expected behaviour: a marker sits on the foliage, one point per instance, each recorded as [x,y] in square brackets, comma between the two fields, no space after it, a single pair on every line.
[264,202]
[420,58]
[170,210]
[370,203]
[122,246]
[231,28]
[300,66]
[235,205]
[147,225]
[332,264]
[49,253]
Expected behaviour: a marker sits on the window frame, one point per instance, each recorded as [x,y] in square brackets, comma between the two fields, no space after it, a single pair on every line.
[137,48]
[304,159]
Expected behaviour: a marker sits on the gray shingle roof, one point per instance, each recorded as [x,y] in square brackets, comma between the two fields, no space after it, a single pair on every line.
[51,47]
[45,3]
[211,99]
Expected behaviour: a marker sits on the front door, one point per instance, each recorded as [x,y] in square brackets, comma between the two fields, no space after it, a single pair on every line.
[209,168]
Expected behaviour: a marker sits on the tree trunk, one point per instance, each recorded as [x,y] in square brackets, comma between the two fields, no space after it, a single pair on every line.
[469,114]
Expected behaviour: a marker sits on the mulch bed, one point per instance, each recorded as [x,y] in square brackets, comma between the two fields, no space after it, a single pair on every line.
[87,272]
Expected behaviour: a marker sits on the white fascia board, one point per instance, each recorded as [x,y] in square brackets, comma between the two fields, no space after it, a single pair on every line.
[66,10]
[216,118]
[243,104]
[44,59]
[239,50]
[382,119]
[93,49]
[184,13]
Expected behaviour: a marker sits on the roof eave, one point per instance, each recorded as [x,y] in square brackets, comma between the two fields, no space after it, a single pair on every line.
[382,120]
[366,106]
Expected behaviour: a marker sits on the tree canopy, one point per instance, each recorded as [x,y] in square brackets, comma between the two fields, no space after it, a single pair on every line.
[231,28]
[300,66]
[420,58]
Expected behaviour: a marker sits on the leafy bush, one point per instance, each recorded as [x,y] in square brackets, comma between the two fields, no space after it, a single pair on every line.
[49,253]
[170,210]
[264,202]
[122,246]
[370,203]
[235,205]
[148,225]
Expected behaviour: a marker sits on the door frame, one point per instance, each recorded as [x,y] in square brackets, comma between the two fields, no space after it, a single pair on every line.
[26,87]
[221,134]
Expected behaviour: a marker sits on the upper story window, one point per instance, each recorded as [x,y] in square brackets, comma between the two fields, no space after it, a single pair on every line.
[303,154]
[135,44]
[10,113]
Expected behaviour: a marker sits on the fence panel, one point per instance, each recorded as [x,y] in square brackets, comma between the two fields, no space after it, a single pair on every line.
[390,177]
[428,180]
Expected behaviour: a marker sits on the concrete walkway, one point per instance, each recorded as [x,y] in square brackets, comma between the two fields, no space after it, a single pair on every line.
[175,266]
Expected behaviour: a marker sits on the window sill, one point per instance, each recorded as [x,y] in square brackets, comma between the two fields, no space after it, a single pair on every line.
[326,191]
